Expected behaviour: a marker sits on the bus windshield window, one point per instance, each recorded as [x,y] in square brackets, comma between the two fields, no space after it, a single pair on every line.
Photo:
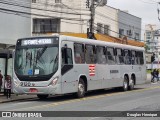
[36,61]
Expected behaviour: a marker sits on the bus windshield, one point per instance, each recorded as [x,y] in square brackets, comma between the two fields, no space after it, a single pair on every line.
[36,61]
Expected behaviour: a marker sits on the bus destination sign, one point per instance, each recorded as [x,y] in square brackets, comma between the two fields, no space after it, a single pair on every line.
[36,42]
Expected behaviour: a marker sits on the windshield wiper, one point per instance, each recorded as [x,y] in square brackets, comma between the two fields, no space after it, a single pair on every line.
[55,60]
[40,53]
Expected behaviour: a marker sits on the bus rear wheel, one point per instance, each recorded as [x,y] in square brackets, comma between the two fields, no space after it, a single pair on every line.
[42,96]
[125,84]
[81,89]
[131,86]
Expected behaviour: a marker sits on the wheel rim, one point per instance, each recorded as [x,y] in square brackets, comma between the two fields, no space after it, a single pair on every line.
[81,88]
[132,84]
[125,84]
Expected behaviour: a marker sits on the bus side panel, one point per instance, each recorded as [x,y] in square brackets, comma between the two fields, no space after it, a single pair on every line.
[140,74]
[102,75]
[69,83]
[115,75]
[95,80]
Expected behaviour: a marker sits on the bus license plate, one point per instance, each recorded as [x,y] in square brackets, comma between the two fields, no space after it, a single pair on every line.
[33,90]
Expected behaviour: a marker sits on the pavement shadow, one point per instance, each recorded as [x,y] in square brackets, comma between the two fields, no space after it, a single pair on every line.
[61,98]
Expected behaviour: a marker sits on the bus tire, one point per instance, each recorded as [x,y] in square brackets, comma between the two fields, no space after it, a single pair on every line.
[81,89]
[42,96]
[125,83]
[131,86]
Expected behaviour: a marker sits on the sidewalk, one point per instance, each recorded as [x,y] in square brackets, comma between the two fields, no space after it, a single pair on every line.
[14,97]
[148,80]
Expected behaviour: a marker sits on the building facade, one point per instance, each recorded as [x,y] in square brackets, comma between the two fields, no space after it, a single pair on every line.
[14,24]
[129,25]
[149,37]
[152,39]
[73,16]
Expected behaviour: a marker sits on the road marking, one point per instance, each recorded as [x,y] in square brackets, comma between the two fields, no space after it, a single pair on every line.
[84,99]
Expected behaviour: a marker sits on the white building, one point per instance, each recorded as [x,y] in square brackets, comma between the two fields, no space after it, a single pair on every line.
[149,37]
[157,45]
[13,23]
[50,16]
[152,39]
[129,25]
[108,20]
[13,26]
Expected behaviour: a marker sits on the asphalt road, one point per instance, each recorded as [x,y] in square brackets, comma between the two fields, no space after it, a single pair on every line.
[143,98]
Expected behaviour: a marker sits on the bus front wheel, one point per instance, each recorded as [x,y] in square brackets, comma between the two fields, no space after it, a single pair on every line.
[81,89]
[42,96]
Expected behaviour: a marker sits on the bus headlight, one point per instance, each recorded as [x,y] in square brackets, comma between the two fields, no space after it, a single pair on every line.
[54,81]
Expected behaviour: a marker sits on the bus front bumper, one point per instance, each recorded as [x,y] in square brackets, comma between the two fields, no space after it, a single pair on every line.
[49,90]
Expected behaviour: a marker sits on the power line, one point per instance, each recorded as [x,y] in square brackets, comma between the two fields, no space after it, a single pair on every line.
[27,13]
[18,5]
[40,3]
[67,13]
[153,2]
[102,15]
[117,33]
[19,13]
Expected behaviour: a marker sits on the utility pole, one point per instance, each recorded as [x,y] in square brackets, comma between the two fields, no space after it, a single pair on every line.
[90,30]
[91,4]
[92,9]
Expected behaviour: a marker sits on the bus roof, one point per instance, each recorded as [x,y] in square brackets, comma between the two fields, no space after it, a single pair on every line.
[90,41]
[98,42]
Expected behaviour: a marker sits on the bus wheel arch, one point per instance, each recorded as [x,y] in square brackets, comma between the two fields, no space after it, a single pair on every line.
[132,82]
[82,87]
[125,82]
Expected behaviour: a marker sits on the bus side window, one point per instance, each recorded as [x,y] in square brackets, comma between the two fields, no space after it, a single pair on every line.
[133,57]
[90,54]
[127,56]
[67,56]
[130,57]
[101,59]
[79,53]
[138,57]
[110,56]
[141,58]
[120,59]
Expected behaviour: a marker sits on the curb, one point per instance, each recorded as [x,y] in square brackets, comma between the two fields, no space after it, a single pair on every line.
[20,99]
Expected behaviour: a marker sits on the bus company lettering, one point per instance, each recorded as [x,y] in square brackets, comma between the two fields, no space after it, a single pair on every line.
[114,71]
[91,70]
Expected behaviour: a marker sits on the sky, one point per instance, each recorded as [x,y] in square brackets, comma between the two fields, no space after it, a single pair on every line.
[145,9]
